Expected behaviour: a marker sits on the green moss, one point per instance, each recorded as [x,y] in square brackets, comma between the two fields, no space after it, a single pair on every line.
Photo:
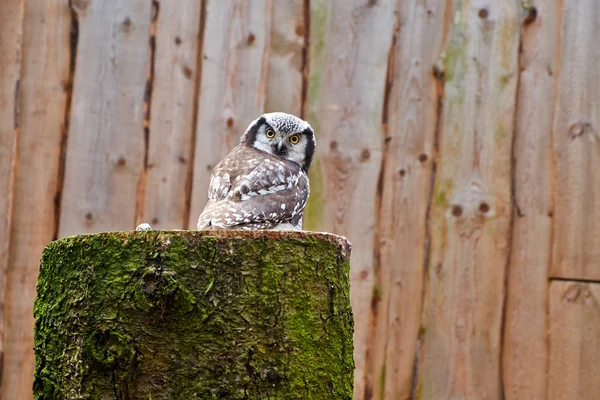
[455,62]
[500,133]
[440,199]
[509,39]
[419,394]
[313,215]
[382,380]
[442,189]
[377,291]
[188,315]
[505,80]
[320,11]
[319,15]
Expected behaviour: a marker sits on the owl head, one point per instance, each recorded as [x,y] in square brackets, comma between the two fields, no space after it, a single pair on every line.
[282,135]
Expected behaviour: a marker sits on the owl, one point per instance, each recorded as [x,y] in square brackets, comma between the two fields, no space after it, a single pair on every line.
[262,183]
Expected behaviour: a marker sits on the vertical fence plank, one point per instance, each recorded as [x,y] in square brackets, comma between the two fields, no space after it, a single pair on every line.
[286,61]
[11,20]
[471,207]
[105,151]
[525,346]
[576,252]
[412,117]
[233,84]
[349,46]
[172,114]
[574,341]
[43,101]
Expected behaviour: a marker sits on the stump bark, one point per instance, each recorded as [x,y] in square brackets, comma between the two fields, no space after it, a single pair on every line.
[194,315]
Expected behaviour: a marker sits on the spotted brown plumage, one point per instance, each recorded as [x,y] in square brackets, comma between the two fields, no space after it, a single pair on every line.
[262,183]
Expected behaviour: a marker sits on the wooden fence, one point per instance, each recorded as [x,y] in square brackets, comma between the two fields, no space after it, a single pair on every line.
[458,149]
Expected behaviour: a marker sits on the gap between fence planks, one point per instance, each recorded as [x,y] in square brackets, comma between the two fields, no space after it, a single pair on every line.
[412,116]
[576,140]
[574,341]
[43,93]
[471,207]
[170,141]
[105,150]
[525,351]
[349,41]
[232,86]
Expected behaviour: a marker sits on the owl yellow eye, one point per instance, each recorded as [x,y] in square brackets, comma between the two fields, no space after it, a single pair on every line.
[294,139]
[270,133]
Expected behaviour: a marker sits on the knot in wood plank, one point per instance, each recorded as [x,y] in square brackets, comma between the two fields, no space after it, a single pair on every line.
[474,203]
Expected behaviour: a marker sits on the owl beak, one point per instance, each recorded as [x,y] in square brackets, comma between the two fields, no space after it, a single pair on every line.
[279,146]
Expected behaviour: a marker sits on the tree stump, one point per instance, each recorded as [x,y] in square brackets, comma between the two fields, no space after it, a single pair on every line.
[194,315]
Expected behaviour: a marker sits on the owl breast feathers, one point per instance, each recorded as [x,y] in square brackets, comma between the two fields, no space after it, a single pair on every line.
[262,183]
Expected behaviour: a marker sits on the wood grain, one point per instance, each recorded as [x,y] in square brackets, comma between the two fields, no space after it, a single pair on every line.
[43,100]
[349,41]
[574,341]
[525,353]
[172,114]
[576,136]
[233,84]
[105,151]
[286,63]
[471,208]
[11,21]
[412,113]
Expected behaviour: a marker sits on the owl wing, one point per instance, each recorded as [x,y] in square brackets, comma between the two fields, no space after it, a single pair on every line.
[261,191]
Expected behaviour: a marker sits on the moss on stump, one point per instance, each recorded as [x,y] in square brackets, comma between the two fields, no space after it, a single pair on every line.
[194,315]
